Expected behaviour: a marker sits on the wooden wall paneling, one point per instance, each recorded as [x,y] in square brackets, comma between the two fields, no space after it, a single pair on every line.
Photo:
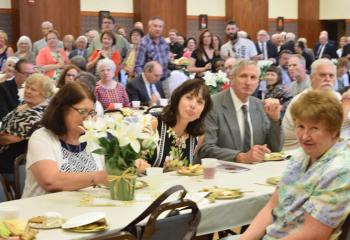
[64,14]
[309,24]
[172,12]
[250,15]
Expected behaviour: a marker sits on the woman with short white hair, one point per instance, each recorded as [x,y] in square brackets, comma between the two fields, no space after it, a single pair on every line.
[109,91]
[24,49]
[80,49]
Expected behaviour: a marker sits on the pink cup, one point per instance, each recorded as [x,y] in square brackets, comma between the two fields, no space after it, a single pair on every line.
[209,167]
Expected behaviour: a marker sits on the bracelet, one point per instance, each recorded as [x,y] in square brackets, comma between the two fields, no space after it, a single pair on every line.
[93,184]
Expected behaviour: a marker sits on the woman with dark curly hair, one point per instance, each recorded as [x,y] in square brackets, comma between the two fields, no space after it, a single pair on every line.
[181,125]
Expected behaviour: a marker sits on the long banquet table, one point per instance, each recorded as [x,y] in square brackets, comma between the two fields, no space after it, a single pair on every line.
[222,214]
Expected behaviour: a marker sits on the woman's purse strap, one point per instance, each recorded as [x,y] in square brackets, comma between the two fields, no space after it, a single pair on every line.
[155,204]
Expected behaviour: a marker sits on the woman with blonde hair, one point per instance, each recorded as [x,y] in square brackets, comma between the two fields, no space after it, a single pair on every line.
[18,125]
[24,49]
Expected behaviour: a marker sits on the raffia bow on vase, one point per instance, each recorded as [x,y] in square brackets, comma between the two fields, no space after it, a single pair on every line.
[121,140]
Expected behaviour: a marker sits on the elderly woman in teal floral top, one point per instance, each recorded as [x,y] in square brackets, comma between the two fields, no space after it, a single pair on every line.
[312,199]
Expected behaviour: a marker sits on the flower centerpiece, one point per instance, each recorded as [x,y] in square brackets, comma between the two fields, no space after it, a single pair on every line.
[121,140]
[216,82]
[264,65]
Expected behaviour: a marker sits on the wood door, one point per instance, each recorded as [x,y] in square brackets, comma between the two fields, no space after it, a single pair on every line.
[29,14]
[250,15]
[173,12]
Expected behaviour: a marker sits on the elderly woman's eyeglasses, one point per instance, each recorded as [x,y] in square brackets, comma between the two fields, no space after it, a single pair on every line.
[84,112]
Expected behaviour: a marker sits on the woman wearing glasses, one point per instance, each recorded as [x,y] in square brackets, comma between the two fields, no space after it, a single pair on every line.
[68,75]
[56,159]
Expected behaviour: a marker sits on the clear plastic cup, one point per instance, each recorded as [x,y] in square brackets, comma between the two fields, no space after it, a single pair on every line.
[9,212]
[153,176]
[209,167]
[136,104]
[118,106]
[163,102]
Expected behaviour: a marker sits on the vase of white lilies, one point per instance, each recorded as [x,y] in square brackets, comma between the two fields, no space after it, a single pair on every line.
[121,140]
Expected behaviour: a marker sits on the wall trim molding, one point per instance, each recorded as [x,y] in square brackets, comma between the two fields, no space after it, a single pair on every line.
[213,18]
[286,20]
[114,14]
[6,10]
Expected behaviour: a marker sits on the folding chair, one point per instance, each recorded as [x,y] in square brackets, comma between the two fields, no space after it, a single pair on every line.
[20,175]
[4,193]
[180,223]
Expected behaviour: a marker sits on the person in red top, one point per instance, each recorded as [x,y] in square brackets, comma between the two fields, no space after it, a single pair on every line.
[108,40]
[108,90]
[52,59]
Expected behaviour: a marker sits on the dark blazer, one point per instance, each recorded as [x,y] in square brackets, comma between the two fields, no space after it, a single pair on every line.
[75,53]
[329,50]
[222,135]
[346,50]
[271,49]
[137,91]
[9,99]
[288,45]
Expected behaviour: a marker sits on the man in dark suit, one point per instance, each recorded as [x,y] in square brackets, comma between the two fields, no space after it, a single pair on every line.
[240,127]
[81,50]
[325,48]
[175,48]
[146,87]
[9,99]
[265,48]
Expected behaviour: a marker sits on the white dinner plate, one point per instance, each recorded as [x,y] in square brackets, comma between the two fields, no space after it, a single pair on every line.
[83,219]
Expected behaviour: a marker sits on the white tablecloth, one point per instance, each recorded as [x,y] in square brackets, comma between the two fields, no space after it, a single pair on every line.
[217,216]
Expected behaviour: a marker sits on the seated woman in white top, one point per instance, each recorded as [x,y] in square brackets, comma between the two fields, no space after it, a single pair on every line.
[56,160]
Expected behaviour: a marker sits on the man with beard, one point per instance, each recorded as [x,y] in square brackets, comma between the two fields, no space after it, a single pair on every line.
[283,66]
[323,76]
[297,72]
[237,47]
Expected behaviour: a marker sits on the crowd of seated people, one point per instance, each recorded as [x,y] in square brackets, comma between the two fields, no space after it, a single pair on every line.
[49,87]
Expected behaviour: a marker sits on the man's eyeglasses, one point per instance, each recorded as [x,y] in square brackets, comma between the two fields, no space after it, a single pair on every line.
[84,112]
[26,73]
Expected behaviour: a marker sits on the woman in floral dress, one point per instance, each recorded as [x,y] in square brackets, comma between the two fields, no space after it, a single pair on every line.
[181,124]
